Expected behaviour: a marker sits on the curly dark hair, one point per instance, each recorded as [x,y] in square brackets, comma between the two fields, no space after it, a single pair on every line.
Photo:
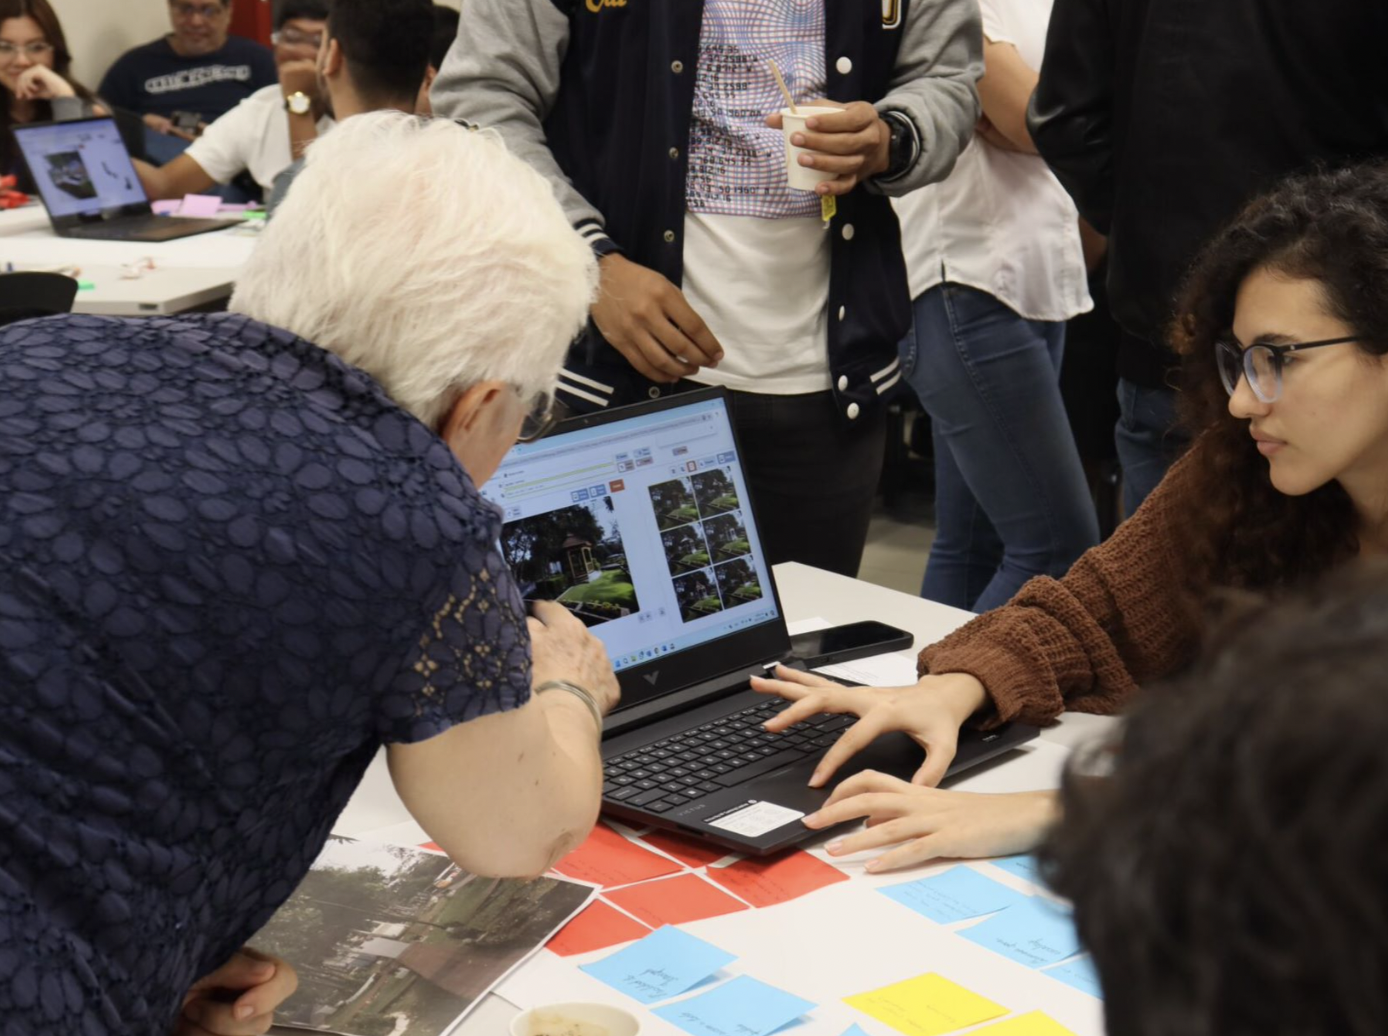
[1230,874]
[1331,227]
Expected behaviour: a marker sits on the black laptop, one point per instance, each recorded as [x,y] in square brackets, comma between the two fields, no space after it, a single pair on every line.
[88,184]
[638,519]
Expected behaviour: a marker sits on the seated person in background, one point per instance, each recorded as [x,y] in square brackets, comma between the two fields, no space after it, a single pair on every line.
[195,74]
[263,133]
[255,553]
[35,77]
[1228,870]
[1284,334]
[374,56]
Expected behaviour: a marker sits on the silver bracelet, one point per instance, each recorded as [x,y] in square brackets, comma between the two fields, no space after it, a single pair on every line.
[581,693]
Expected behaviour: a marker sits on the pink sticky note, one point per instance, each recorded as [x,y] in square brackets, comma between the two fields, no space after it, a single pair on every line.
[200,205]
[165,207]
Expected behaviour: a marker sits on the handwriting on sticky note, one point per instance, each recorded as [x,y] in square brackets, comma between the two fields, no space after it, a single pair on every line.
[608,859]
[663,964]
[1033,1024]
[1035,932]
[956,895]
[778,879]
[1023,867]
[203,205]
[928,1005]
[1080,974]
[677,900]
[596,928]
[741,1006]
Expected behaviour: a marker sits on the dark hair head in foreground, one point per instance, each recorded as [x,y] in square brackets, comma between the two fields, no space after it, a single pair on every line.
[386,44]
[1230,875]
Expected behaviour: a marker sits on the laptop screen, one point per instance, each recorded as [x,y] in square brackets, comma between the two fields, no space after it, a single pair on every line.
[641,527]
[81,168]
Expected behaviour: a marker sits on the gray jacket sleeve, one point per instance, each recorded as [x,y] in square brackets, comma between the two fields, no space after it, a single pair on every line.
[933,86]
[502,73]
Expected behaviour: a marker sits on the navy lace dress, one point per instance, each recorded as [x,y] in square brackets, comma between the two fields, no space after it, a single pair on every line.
[230,568]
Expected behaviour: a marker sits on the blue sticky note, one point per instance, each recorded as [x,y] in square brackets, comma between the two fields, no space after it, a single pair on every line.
[1080,974]
[1022,866]
[956,895]
[854,1030]
[1036,932]
[665,963]
[740,1007]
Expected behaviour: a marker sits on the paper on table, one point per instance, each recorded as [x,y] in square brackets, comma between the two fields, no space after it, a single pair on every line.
[956,895]
[665,963]
[1023,866]
[203,205]
[677,900]
[1079,974]
[1032,1024]
[928,1005]
[854,1030]
[891,670]
[778,879]
[740,1007]
[686,850]
[609,859]
[1035,932]
[596,928]
[165,206]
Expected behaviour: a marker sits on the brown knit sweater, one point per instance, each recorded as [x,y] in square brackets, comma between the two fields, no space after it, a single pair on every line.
[1120,617]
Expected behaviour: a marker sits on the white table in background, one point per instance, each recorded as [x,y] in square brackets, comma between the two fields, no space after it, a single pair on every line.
[805,593]
[189,272]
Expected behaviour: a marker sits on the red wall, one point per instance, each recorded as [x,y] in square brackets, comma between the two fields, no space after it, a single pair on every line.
[251,18]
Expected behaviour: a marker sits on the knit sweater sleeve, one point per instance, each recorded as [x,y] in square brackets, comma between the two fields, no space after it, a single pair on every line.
[1122,615]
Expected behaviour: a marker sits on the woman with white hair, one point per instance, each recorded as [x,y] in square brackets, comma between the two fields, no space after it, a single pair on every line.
[239,552]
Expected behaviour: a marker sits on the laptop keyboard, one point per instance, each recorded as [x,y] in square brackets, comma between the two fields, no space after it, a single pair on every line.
[720,754]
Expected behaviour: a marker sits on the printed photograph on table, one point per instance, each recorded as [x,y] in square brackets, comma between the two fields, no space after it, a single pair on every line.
[395,941]
[685,549]
[738,582]
[673,503]
[727,536]
[573,555]
[715,492]
[697,594]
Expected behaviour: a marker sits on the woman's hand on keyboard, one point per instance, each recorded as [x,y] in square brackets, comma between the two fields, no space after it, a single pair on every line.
[929,824]
[931,711]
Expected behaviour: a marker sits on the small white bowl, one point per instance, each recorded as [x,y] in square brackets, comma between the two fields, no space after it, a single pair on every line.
[616,1021]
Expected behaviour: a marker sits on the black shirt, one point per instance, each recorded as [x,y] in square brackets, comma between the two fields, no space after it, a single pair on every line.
[155,79]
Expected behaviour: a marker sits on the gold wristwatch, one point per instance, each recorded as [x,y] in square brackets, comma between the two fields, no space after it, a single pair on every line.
[298,103]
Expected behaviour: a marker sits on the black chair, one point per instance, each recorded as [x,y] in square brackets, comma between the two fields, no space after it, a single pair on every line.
[30,294]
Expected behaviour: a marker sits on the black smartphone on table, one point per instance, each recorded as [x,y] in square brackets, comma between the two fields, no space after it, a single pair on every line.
[847,642]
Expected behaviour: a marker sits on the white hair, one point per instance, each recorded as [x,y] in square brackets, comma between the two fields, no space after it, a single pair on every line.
[427,255]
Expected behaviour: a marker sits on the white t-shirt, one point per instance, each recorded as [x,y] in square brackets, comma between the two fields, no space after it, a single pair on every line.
[1001,222]
[253,136]
[756,255]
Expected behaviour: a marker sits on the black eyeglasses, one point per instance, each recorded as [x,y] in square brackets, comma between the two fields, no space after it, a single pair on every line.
[545,413]
[1261,364]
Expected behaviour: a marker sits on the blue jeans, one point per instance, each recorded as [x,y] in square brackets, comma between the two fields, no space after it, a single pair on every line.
[1011,498]
[1146,439]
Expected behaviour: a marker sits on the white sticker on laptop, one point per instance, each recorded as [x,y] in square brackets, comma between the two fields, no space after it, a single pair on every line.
[756,819]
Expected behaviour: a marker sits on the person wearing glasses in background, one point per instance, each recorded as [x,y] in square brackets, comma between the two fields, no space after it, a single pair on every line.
[254,554]
[36,77]
[263,134]
[181,82]
[1283,327]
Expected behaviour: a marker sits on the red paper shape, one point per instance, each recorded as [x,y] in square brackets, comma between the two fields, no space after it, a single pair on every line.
[431,845]
[687,850]
[608,859]
[777,879]
[596,927]
[675,900]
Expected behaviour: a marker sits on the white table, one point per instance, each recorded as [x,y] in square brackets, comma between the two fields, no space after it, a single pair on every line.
[189,272]
[805,593]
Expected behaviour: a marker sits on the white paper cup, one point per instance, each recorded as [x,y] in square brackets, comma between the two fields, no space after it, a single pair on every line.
[616,1021]
[802,178]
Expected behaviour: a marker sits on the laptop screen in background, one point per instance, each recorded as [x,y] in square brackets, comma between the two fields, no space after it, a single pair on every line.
[81,168]
[640,527]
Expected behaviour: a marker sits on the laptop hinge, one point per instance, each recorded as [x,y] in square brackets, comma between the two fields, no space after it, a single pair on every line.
[682,701]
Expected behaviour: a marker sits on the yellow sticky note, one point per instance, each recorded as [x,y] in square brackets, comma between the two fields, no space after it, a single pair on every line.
[927,1005]
[828,207]
[1033,1024]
